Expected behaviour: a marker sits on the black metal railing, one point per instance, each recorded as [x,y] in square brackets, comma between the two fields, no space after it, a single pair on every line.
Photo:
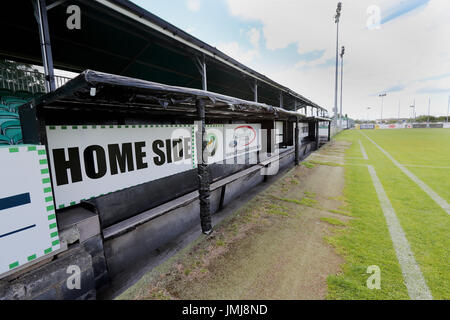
[31,81]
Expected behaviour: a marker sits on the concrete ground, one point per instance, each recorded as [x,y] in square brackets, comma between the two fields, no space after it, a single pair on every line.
[273,247]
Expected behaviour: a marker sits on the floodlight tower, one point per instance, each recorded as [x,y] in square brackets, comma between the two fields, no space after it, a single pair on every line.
[342,77]
[336,20]
[382,95]
[448,108]
[368,108]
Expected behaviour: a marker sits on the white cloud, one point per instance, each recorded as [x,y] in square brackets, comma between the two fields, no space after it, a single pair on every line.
[313,63]
[254,36]
[191,30]
[193,5]
[234,50]
[411,47]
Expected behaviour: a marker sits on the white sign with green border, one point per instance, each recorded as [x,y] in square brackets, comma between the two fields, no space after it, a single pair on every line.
[28,228]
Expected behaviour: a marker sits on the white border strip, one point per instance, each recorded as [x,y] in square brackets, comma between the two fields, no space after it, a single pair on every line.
[424,166]
[433,195]
[414,280]
[363,151]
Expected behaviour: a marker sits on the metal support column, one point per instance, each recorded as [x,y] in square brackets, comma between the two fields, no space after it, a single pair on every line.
[204,78]
[203,170]
[201,66]
[40,9]
[329,130]
[255,91]
[296,147]
[317,134]
[281,99]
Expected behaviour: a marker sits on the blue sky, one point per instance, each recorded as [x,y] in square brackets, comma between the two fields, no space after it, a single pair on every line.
[293,42]
[401,8]
[214,24]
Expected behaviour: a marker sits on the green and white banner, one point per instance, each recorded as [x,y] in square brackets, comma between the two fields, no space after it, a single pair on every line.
[28,228]
[227,141]
[279,129]
[90,161]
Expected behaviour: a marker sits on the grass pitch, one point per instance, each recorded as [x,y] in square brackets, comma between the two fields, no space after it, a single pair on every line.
[366,241]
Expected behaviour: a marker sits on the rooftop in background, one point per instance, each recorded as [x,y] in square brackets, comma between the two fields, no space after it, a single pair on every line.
[121,38]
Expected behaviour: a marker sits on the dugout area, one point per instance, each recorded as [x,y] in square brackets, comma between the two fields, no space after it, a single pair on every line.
[151,76]
[135,222]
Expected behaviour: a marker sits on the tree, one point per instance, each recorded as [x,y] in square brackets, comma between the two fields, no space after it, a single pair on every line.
[425,119]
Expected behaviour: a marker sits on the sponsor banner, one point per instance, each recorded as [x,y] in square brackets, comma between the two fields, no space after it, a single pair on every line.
[303,130]
[28,228]
[323,128]
[241,139]
[90,161]
[279,126]
[364,126]
[426,125]
[215,143]
[393,126]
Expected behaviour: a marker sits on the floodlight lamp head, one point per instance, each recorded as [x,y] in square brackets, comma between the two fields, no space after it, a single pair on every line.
[338,12]
[342,51]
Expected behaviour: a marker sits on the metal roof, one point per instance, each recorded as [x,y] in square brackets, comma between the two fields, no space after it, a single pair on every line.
[93,89]
[119,37]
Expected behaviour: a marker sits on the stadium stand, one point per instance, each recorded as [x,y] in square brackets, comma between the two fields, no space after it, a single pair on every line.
[10,127]
[17,139]
[22,94]
[4,140]
[5,92]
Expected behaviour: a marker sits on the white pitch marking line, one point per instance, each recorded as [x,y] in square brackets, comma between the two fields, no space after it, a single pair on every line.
[355,164]
[335,157]
[414,280]
[327,156]
[363,151]
[423,166]
[433,195]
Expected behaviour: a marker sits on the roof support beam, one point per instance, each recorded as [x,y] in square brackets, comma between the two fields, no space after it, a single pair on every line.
[55,4]
[143,18]
[40,11]
[201,66]
[133,60]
